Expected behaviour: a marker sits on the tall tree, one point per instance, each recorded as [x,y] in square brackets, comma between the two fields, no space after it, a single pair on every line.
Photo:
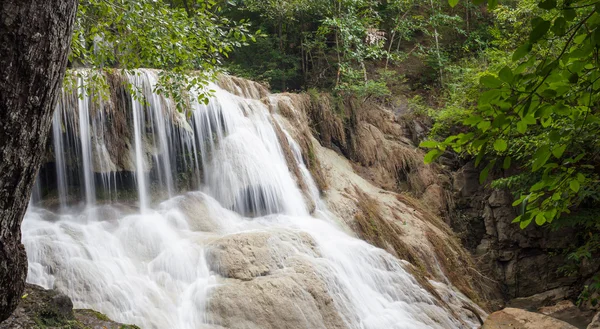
[35,37]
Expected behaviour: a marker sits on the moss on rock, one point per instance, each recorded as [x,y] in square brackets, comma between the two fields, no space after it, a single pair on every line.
[48,309]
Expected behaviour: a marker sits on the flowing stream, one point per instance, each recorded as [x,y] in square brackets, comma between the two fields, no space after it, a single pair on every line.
[140,200]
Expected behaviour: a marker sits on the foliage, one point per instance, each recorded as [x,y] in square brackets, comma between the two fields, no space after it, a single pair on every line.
[339,45]
[541,110]
[536,116]
[183,38]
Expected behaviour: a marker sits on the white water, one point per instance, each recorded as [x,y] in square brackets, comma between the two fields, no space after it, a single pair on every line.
[147,265]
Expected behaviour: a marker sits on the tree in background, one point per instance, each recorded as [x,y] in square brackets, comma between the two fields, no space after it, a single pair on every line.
[352,46]
[34,44]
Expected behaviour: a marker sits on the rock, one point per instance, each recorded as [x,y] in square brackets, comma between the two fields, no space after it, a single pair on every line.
[249,255]
[466,180]
[95,320]
[283,301]
[193,206]
[499,198]
[563,305]
[435,199]
[269,284]
[566,311]
[514,318]
[41,308]
[595,324]
[534,302]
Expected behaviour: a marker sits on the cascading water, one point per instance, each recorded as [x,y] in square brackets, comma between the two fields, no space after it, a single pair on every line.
[161,264]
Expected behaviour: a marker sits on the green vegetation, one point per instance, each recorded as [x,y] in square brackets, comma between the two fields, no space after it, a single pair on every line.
[533,115]
[187,40]
[354,46]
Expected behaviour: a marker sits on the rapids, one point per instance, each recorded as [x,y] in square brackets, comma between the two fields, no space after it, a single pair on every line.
[153,259]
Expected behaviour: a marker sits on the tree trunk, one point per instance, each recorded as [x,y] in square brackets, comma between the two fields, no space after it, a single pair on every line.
[35,37]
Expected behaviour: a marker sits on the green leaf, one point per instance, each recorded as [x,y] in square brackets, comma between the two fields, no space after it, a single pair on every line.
[500,145]
[522,127]
[452,3]
[540,219]
[525,223]
[429,144]
[539,30]
[489,96]
[537,186]
[574,185]
[485,172]
[540,157]
[521,52]
[519,200]
[484,125]
[559,27]
[472,120]
[548,4]
[580,177]
[506,74]
[506,164]
[432,155]
[559,151]
[490,81]
[569,14]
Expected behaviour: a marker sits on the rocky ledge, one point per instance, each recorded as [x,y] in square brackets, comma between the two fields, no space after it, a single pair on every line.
[49,309]
[549,317]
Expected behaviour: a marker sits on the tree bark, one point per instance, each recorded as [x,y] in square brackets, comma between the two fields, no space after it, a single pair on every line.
[35,37]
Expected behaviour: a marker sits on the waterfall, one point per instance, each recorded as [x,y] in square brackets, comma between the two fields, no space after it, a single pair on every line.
[86,144]
[186,216]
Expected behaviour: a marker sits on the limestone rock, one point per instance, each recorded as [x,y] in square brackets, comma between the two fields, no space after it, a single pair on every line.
[249,255]
[282,301]
[514,318]
[269,285]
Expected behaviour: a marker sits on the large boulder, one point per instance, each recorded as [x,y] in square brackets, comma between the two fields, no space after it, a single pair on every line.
[514,318]
[270,283]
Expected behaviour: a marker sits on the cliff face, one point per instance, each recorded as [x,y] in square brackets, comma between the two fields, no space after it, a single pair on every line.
[529,263]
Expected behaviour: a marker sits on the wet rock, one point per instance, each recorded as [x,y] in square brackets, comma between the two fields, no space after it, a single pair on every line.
[198,217]
[249,255]
[269,285]
[41,308]
[292,300]
[514,318]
